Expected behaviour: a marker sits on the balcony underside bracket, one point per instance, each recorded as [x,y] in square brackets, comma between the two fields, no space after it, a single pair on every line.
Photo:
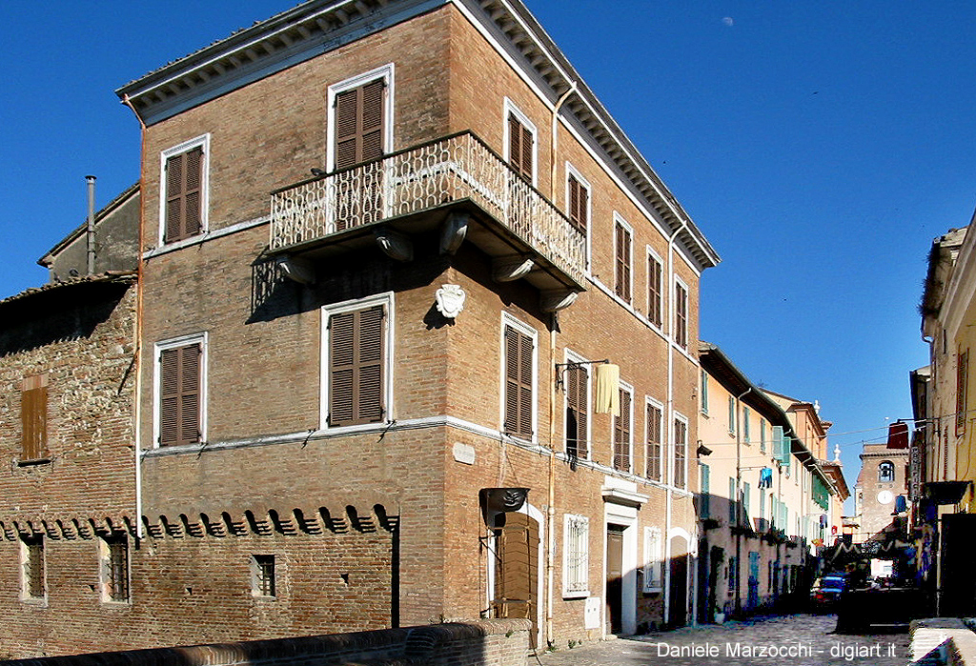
[453,232]
[554,301]
[394,244]
[301,271]
[511,267]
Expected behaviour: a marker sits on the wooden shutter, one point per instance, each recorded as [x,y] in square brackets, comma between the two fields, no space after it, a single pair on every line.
[681,315]
[516,569]
[180,396]
[577,398]
[654,293]
[359,119]
[518,383]
[184,194]
[653,442]
[622,286]
[680,452]
[621,434]
[962,382]
[520,147]
[578,204]
[33,415]
[356,359]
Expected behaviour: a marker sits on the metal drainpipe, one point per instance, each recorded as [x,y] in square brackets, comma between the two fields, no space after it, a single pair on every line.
[738,501]
[670,424]
[551,509]
[137,428]
[90,232]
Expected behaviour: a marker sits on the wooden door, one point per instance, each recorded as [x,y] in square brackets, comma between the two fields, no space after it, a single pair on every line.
[615,574]
[517,570]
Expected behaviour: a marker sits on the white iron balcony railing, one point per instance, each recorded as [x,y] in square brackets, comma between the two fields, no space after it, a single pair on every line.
[455,168]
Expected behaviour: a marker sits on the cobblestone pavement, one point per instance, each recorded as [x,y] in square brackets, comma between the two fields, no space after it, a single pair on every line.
[783,640]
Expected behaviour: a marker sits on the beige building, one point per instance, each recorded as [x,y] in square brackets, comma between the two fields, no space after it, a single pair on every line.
[766,503]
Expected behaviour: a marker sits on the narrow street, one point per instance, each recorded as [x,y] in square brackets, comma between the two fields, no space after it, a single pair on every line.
[801,640]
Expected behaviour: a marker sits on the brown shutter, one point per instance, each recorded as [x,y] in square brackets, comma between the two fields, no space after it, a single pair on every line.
[654,276]
[359,124]
[576,412]
[621,434]
[518,383]
[681,315]
[184,179]
[622,288]
[341,368]
[962,382]
[179,419]
[520,147]
[356,359]
[578,199]
[653,443]
[33,413]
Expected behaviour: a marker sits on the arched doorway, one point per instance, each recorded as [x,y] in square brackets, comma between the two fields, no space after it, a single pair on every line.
[678,582]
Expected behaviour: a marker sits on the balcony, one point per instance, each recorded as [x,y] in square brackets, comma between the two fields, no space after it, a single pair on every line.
[455,185]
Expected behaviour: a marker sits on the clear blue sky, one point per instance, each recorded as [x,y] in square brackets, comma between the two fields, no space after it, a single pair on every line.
[820,146]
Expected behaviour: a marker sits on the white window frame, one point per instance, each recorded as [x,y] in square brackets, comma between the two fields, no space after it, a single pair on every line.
[387,74]
[746,429]
[651,254]
[619,219]
[522,327]
[202,141]
[574,172]
[674,312]
[704,392]
[732,415]
[203,339]
[674,432]
[511,109]
[653,561]
[387,301]
[573,357]
[665,465]
[105,571]
[576,546]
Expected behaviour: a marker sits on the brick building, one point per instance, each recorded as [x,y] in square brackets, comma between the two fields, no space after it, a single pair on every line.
[882,480]
[379,396]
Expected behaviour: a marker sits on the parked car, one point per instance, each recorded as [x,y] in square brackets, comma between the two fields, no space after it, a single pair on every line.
[827,589]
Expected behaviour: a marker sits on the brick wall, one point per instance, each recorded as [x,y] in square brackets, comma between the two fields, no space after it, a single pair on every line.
[490,643]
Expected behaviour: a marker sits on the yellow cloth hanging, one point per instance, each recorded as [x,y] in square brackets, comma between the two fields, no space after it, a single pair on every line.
[607,389]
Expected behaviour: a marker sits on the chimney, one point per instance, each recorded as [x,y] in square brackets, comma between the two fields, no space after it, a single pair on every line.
[91,224]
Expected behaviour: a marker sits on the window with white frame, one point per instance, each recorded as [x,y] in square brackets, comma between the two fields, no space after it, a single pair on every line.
[578,200]
[680,449]
[576,554]
[653,560]
[623,258]
[184,190]
[357,362]
[762,435]
[360,123]
[576,379]
[623,430]
[746,426]
[655,288]
[520,142]
[518,378]
[731,415]
[181,391]
[655,440]
[704,392]
[680,314]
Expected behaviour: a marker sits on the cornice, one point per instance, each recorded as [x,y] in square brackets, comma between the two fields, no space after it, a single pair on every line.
[319,26]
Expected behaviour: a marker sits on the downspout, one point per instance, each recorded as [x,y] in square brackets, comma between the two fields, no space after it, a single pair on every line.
[90,229]
[551,501]
[137,428]
[670,485]
[738,501]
